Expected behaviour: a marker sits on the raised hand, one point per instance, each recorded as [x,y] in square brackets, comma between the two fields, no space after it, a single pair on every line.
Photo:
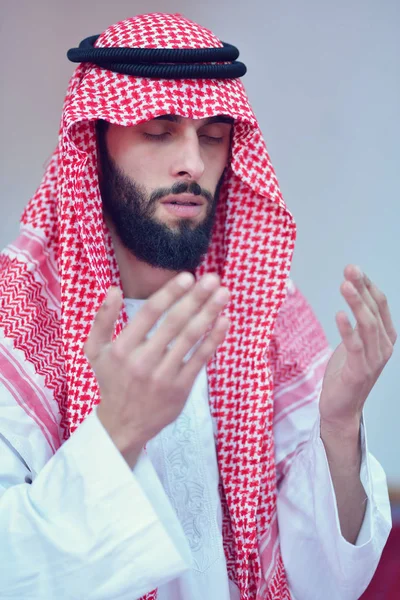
[359,360]
[144,382]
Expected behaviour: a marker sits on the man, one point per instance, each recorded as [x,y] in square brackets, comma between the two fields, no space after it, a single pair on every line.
[192,436]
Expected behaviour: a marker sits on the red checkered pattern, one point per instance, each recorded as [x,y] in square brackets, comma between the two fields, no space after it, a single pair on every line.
[251,249]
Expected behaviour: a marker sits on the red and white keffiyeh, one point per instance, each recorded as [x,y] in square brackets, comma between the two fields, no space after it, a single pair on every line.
[55,277]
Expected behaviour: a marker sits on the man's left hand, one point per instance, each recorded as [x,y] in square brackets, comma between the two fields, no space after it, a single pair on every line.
[360,358]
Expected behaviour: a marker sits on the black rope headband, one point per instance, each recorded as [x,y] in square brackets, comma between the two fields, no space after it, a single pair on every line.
[162,63]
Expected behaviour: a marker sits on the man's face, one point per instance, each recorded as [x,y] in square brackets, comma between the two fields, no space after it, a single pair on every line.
[160,182]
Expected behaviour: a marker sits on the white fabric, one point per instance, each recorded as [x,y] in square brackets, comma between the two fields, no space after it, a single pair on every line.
[89,528]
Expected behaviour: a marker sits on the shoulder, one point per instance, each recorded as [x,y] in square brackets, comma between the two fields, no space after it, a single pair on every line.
[31,358]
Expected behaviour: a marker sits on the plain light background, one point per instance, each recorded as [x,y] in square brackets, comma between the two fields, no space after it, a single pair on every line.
[323,79]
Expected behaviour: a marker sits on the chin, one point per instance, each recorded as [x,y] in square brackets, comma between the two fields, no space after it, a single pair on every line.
[176,223]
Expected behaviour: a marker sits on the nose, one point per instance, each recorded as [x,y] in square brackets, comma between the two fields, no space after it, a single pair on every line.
[188,162]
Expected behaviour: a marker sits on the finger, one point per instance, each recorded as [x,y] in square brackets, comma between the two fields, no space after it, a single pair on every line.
[102,330]
[136,331]
[205,298]
[355,275]
[358,279]
[353,343]
[193,332]
[367,324]
[377,303]
[384,311]
[203,353]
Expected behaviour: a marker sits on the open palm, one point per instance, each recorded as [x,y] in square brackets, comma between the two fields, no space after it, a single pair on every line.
[360,358]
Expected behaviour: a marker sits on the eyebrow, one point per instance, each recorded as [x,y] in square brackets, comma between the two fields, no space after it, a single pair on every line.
[218,119]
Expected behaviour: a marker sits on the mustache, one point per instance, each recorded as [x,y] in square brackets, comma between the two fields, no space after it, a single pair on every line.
[181,187]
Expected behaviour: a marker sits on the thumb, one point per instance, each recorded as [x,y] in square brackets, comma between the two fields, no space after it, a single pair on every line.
[102,329]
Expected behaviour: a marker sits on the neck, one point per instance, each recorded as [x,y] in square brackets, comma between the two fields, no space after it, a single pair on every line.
[139,280]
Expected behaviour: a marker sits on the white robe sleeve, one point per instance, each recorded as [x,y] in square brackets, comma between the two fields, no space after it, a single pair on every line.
[319,562]
[85,527]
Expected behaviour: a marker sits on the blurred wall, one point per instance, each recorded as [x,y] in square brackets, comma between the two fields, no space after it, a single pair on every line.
[324,82]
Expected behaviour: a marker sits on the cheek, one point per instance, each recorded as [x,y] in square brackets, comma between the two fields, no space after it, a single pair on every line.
[141,165]
[215,165]
[135,160]
[152,169]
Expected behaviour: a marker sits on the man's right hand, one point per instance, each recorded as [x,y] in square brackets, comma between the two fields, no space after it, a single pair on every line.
[144,383]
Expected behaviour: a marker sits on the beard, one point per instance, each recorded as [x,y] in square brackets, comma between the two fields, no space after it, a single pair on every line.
[131,210]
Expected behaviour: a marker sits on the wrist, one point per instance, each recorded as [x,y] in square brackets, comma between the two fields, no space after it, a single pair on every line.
[347,430]
[342,442]
[128,446]
[131,456]
[129,450]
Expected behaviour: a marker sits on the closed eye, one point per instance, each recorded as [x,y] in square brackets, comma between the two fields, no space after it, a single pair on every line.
[159,136]
[209,139]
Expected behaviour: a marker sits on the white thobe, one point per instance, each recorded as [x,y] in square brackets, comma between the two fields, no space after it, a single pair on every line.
[89,528]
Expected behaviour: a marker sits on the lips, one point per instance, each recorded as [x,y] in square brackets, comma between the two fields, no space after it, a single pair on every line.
[186,206]
[183,200]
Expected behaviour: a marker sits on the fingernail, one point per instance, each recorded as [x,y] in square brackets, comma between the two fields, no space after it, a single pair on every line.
[222,296]
[112,291]
[185,280]
[106,302]
[209,282]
